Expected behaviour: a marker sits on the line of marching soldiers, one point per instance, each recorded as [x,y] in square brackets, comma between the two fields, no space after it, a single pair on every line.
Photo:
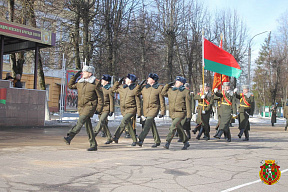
[96,96]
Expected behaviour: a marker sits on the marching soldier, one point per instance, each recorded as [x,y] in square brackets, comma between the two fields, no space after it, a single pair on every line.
[153,101]
[179,109]
[90,99]
[108,108]
[273,114]
[206,99]
[129,105]
[246,108]
[228,108]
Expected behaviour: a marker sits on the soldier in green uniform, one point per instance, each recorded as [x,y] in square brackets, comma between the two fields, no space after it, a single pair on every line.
[129,105]
[205,99]
[179,109]
[90,99]
[153,101]
[228,109]
[274,114]
[246,108]
[286,115]
[108,108]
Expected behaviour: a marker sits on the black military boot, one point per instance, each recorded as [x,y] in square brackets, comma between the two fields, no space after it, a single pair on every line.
[196,129]
[286,128]
[206,136]
[167,144]
[155,145]
[67,140]
[140,143]
[200,133]
[216,133]
[241,133]
[218,136]
[92,148]
[133,144]
[186,145]
[115,139]
[246,133]
[108,142]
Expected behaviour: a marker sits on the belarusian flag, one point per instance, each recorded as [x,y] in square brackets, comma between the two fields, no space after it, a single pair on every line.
[3,93]
[220,61]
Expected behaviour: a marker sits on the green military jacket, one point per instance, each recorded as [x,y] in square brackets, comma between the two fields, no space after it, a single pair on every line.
[129,99]
[179,102]
[90,95]
[246,102]
[208,102]
[228,103]
[286,111]
[108,98]
[153,100]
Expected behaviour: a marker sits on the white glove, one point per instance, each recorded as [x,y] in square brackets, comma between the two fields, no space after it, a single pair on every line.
[203,112]
[202,96]
[234,115]
[143,118]
[215,90]
[235,90]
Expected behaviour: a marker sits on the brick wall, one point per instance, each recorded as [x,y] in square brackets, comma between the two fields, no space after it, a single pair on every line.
[24,107]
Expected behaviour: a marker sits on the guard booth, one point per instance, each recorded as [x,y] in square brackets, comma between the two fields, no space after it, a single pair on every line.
[22,107]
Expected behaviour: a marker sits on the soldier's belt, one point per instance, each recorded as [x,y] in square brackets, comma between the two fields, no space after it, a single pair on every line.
[225,103]
[202,104]
[246,106]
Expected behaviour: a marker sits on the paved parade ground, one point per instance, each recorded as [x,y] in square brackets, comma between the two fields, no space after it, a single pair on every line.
[37,159]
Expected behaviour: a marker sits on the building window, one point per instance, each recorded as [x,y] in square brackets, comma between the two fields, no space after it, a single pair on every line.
[47,91]
[6,58]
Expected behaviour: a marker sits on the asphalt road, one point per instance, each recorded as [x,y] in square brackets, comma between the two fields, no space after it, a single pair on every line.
[37,159]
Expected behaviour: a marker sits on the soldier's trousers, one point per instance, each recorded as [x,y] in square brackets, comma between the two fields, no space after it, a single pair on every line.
[286,123]
[83,119]
[225,123]
[244,121]
[103,124]
[176,124]
[126,121]
[150,123]
[205,118]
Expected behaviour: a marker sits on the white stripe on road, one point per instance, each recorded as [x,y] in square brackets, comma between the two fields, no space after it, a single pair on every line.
[246,184]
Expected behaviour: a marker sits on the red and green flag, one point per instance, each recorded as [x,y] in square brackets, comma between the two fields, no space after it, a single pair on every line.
[220,61]
[3,93]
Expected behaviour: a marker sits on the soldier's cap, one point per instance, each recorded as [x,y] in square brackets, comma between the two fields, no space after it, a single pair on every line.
[226,84]
[181,79]
[106,77]
[9,77]
[245,86]
[89,69]
[132,77]
[153,76]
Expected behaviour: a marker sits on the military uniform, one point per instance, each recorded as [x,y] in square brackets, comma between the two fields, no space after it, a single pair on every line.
[90,99]
[246,108]
[108,109]
[228,108]
[206,100]
[129,105]
[153,101]
[179,108]
[273,114]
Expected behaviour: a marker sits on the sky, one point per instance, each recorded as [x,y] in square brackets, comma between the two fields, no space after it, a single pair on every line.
[259,16]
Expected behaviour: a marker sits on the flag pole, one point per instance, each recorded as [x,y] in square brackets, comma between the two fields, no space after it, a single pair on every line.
[203,65]
[221,45]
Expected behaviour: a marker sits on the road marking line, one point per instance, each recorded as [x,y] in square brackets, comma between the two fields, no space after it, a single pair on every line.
[246,184]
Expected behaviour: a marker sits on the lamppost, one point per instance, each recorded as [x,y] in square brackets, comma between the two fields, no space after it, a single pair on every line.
[249,55]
